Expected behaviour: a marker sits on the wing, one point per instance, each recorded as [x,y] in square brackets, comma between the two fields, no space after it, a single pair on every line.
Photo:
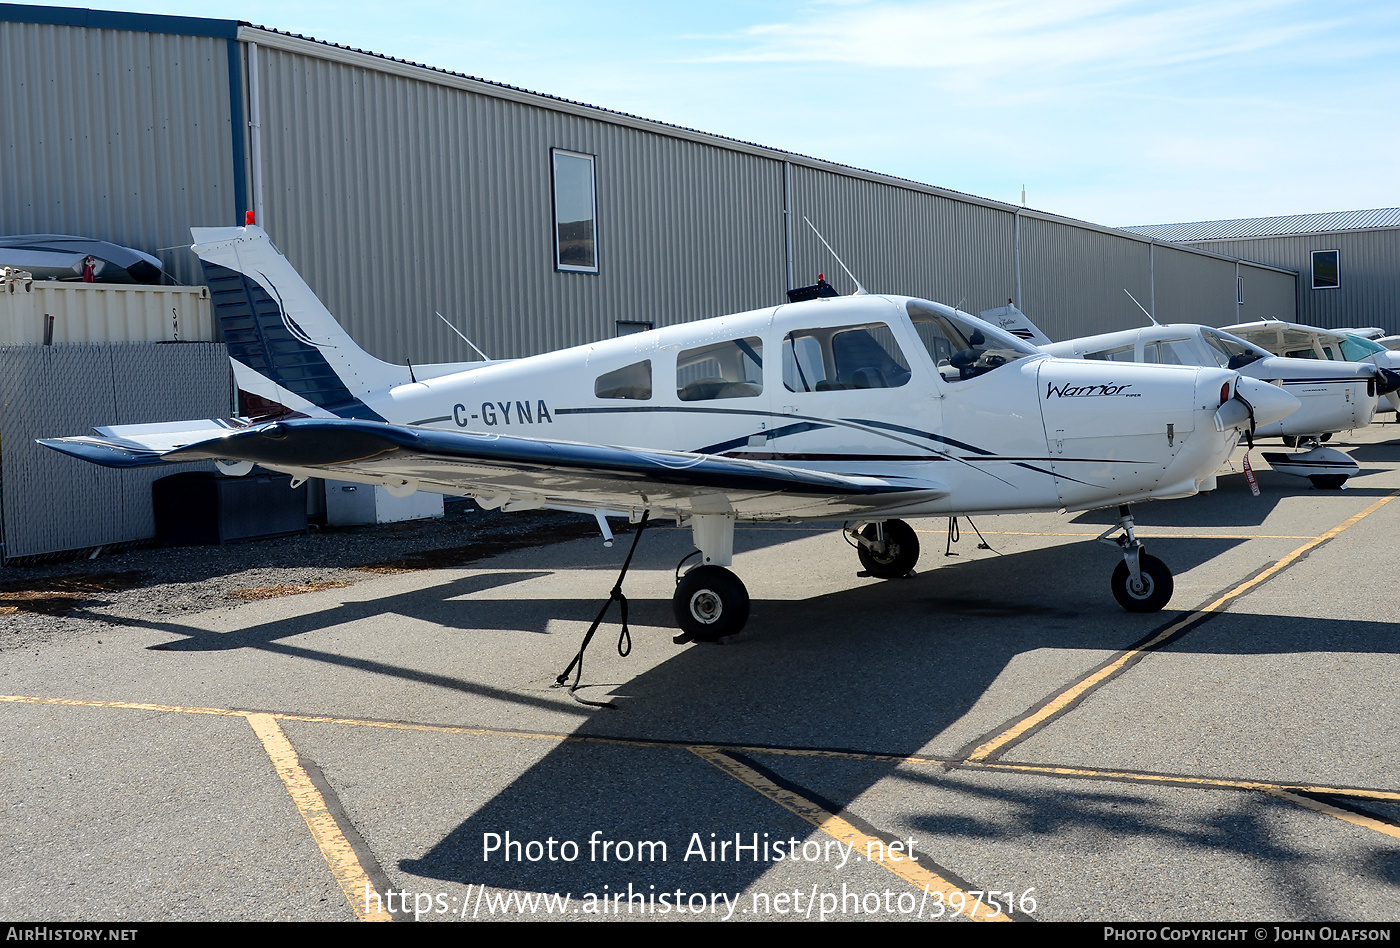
[509,472]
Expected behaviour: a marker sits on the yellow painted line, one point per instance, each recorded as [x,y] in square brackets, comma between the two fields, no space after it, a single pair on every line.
[1283,791]
[336,849]
[1071,694]
[132,705]
[1355,818]
[843,831]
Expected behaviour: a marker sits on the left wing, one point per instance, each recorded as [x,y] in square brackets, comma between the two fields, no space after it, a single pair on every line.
[505,471]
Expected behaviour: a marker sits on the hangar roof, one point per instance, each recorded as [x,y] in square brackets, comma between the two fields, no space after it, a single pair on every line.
[1289,226]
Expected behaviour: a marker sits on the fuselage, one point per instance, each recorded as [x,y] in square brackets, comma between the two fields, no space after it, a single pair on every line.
[877,385]
[1334,396]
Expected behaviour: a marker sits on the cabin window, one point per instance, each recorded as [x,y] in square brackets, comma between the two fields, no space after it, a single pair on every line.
[626,327]
[630,381]
[1169,352]
[960,346]
[1326,269]
[843,357]
[575,212]
[1121,354]
[732,369]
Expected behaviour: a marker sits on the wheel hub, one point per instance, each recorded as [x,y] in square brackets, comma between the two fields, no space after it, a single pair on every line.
[706,607]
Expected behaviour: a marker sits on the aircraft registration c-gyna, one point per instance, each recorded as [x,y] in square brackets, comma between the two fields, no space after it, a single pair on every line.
[863,409]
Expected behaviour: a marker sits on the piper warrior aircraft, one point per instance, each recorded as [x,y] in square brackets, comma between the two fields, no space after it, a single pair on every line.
[862,409]
[1335,396]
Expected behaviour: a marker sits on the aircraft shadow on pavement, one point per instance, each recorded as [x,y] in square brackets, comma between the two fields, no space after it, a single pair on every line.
[877,671]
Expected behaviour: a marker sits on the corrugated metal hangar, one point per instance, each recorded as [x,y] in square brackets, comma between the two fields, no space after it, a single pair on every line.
[400,190]
[1348,261]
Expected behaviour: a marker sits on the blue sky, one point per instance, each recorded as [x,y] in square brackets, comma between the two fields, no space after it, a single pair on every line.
[1115,112]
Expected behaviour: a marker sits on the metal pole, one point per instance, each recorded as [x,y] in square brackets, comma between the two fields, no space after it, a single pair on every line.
[787,219]
[255,124]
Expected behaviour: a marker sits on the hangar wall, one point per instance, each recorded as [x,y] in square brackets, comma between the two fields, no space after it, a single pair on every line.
[1369,284]
[116,133]
[399,191]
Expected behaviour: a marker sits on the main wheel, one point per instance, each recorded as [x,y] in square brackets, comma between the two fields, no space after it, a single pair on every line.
[1328,481]
[1156,588]
[901,550]
[710,603]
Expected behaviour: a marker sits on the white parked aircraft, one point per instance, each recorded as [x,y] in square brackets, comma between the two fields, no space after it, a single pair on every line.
[1335,396]
[863,409]
[1297,341]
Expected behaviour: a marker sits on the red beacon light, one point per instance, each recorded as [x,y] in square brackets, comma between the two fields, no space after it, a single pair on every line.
[248,218]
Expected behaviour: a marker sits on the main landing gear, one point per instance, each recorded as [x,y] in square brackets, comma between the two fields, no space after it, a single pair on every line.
[1141,583]
[710,602]
[888,549]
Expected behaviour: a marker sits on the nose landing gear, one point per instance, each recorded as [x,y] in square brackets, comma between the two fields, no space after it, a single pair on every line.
[1141,583]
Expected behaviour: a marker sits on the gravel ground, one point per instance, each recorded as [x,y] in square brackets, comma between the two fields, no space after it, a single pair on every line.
[41,602]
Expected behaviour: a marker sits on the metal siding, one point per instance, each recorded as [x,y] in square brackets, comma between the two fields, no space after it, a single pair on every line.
[902,241]
[1192,288]
[396,198]
[1369,294]
[1073,279]
[112,134]
[1268,294]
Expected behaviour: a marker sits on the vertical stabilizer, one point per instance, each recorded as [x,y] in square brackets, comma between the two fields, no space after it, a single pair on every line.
[1017,323]
[277,330]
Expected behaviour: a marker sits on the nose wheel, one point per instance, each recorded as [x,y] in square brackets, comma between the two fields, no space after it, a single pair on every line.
[710,602]
[1141,583]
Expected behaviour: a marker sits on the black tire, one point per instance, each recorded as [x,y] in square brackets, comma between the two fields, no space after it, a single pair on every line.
[901,550]
[1289,441]
[1156,581]
[1328,481]
[710,603]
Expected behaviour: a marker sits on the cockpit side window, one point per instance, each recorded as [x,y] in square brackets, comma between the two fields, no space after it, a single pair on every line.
[1169,352]
[732,369]
[1230,351]
[1121,354]
[963,347]
[843,357]
[630,381]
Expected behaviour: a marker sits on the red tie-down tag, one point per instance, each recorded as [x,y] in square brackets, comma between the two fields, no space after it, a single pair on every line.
[1249,476]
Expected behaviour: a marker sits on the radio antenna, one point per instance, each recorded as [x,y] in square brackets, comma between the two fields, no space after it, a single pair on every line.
[464,338]
[860,290]
[1141,307]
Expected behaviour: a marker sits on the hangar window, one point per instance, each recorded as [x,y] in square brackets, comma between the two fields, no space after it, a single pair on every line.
[732,369]
[630,381]
[575,212]
[843,357]
[1326,269]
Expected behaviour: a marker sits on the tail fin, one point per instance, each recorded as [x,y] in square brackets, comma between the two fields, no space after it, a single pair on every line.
[285,344]
[1017,323]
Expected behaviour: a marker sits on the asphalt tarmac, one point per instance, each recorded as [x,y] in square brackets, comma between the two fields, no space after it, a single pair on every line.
[991,738]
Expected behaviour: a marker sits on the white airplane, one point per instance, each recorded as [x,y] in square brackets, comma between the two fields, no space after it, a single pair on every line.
[1335,396]
[862,409]
[1297,341]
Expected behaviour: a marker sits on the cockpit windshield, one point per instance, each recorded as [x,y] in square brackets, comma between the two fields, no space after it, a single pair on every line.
[963,347]
[1230,352]
[1356,349]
